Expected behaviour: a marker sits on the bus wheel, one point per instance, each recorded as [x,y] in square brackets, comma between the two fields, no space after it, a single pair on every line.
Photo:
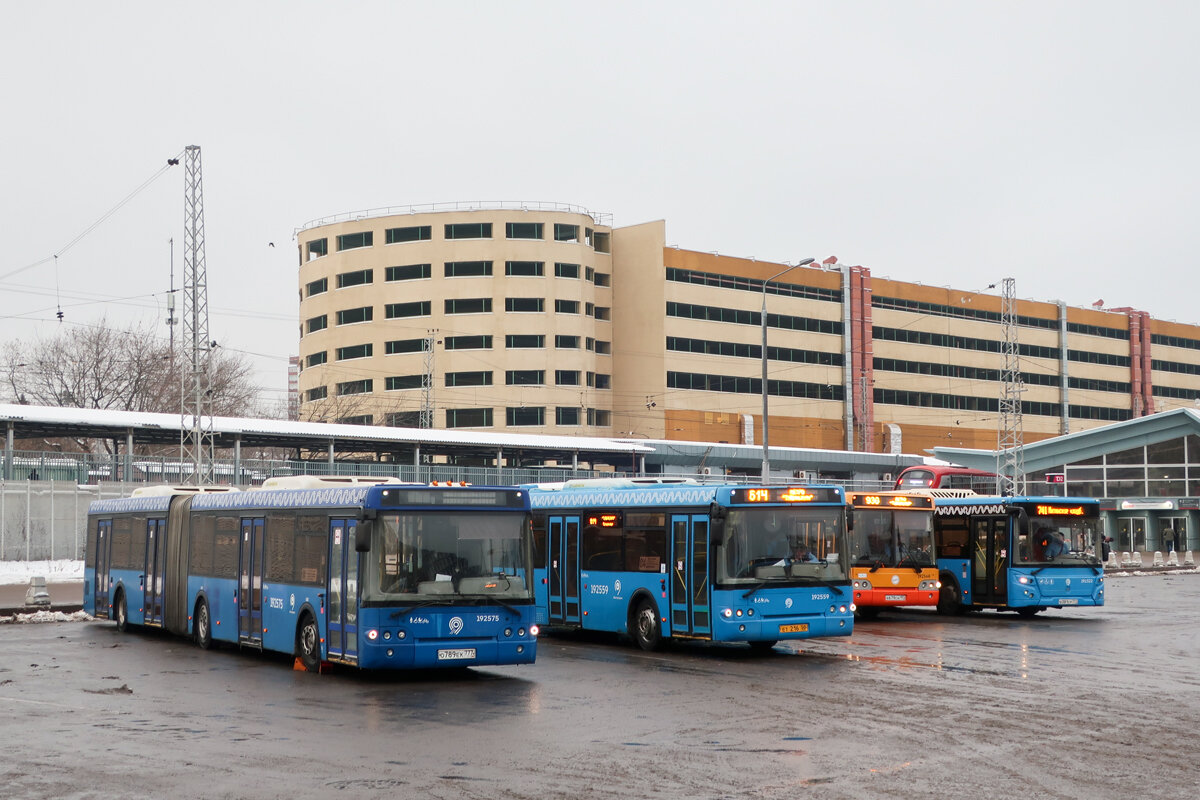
[949,602]
[203,626]
[1028,612]
[308,644]
[122,614]
[645,631]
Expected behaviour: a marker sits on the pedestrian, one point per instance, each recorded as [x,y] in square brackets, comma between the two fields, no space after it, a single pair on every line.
[1105,547]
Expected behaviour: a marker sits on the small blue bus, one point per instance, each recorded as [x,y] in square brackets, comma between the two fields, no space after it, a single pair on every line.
[683,560]
[384,576]
[1024,554]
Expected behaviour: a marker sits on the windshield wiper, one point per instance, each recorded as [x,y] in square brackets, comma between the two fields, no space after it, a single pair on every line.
[908,556]
[747,595]
[404,612]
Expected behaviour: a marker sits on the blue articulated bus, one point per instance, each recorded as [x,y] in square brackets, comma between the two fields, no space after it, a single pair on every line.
[1024,554]
[692,561]
[388,576]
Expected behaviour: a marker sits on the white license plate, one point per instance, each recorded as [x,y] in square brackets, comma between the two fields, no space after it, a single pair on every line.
[455,655]
[899,598]
[1069,601]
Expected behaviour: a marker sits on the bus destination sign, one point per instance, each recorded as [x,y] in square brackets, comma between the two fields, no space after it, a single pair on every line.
[895,501]
[787,494]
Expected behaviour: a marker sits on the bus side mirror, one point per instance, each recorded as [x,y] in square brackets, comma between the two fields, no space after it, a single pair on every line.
[849,519]
[1022,522]
[362,536]
[716,531]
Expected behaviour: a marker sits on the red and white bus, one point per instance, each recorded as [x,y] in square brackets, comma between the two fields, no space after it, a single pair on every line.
[946,477]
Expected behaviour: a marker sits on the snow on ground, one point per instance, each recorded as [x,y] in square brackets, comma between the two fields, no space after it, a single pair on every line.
[45,616]
[59,571]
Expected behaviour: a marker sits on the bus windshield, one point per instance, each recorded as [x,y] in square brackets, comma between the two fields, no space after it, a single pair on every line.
[1055,540]
[764,544]
[423,556]
[888,538]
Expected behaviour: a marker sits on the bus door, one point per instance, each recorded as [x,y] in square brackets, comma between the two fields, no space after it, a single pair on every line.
[690,611]
[343,590]
[250,580]
[156,561]
[102,582]
[564,569]
[989,570]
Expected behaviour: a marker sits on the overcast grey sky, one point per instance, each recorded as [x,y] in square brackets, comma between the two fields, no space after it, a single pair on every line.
[950,143]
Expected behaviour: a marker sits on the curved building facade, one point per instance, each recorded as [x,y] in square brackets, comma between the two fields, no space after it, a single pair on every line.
[493,316]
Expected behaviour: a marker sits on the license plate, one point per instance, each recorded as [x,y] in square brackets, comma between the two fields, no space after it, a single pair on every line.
[895,598]
[1069,601]
[801,628]
[455,655]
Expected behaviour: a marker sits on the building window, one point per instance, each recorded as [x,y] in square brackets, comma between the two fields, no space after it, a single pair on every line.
[603,381]
[468,342]
[566,377]
[469,305]
[523,230]
[524,304]
[566,416]
[314,359]
[361,419]
[467,269]
[350,316]
[599,417]
[317,287]
[566,270]
[468,378]
[317,248]
[602,243]
[416,233]
[420,308]
[602,279]
[404,419]
[351,241]
[603,348]
[525,377]
[526,269]
[469,230]
[354,351]
[603,313]
[566,306]
[397,346]
[590,309]
[524,340]
[355,387]
[319,393]
[468,417]
[317,323]
[566,233]
[407,272]
[587,236]
[356,278]
[589,344]
[400,382]
[566,342]
[525,415]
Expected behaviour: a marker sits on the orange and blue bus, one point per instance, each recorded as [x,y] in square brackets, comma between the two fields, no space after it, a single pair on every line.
[1024,554]
[386,576]
[893,561]
[688,561]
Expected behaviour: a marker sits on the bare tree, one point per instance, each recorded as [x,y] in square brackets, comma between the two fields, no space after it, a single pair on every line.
[130,369]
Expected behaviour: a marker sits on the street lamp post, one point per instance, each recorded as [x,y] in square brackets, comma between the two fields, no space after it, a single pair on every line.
[766,460]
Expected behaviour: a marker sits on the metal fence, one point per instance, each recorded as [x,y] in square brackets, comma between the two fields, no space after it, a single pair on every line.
[47,520]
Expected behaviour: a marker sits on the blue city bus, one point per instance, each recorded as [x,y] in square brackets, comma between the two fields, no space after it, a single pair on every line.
[386,576]
[1024,554]
[692,561]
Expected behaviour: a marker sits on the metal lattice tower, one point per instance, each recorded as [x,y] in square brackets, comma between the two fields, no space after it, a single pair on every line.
[1010,455]
[196,433]
[427,381]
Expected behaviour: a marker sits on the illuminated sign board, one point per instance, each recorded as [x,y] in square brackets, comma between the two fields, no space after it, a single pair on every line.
[894,501]
[1060,511]
[604,520]
[787,494]
[1056,477]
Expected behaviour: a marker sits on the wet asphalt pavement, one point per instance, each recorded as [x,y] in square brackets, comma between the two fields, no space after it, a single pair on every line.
[1076,703]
